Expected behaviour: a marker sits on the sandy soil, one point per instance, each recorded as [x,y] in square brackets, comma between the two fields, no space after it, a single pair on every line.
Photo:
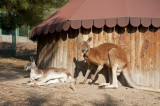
[14,91]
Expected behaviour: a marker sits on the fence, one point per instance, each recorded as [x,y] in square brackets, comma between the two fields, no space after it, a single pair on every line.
[16,46]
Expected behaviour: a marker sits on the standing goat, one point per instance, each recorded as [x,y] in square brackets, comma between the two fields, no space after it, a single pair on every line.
[113,57]
[50,75]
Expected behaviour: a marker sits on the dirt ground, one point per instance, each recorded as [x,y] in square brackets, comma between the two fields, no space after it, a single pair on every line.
[21,47]
[14,91]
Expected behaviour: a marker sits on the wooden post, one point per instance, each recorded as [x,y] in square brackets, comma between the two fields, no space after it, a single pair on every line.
[29,29]
[0,31]
[17,31]
[0,26]
[14,42]
[0,34]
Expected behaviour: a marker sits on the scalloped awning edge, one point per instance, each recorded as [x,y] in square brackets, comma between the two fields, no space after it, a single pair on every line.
[98,23]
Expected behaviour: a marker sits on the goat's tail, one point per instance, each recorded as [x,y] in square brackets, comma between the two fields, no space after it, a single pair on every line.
[131,83]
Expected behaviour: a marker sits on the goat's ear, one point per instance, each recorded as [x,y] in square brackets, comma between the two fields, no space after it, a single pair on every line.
[80,38]
[33,62]
[74,60]
[31,58]
[89,39]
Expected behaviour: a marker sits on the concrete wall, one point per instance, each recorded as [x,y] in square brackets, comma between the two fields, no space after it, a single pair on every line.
[8,38]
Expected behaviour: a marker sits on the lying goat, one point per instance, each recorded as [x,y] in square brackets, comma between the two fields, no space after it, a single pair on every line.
[50,75]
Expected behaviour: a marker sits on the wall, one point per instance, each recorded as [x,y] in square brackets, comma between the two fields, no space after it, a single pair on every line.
[8,38]
[142,46]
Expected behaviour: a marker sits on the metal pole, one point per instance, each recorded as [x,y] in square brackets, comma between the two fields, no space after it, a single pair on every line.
[0,31]
[0,34]
[0,25]
[14,42]
[28,29]
[17,31]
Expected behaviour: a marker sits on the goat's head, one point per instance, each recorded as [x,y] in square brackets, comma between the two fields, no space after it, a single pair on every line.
[30,65]
[85,44]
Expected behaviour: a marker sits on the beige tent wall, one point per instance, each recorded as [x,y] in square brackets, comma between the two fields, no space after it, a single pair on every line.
[141,44]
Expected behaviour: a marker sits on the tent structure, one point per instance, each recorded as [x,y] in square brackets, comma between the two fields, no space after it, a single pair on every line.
[86,13]
[134,25]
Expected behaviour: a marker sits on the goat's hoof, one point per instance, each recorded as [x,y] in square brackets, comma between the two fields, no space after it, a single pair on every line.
[104,84]
[92,78]
[30,83]
[83,82]
[107,87]
[91,83]
[39,84]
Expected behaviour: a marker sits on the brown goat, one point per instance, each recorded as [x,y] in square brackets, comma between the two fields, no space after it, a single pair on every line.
[112,56]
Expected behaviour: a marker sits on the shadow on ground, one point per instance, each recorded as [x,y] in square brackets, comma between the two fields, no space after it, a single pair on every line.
[10,71]
[39,99]
[11,64]
[109,101]
[32,100]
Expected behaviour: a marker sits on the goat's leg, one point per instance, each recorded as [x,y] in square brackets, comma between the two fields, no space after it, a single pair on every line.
[114,77]
[98,69]
[53,81]
[110,76]
[90,67]
[31,82]
[115,65]
[42,81]
[114,84]
[86,76]
[115,81]
[110,79]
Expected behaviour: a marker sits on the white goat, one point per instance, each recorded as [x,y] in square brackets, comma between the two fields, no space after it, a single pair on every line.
[50,75]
